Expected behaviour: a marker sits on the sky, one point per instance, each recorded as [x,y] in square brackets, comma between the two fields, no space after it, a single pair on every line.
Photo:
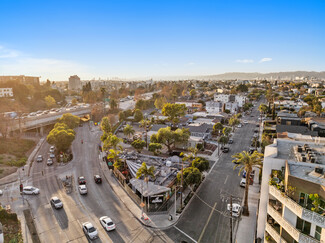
[155,38]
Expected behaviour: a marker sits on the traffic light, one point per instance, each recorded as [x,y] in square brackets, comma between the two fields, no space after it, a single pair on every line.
[21,187]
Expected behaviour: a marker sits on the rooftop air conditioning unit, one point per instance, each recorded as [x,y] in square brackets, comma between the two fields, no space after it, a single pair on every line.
[299,149]
[303,158]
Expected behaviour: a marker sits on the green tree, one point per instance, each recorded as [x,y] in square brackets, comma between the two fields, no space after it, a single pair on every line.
[138,145]
[138,116]
[315,201]
[233,121]
[168,137]
[114,156]
[193,93]
[174,111]
[155,148]
[146,125]
[223,140]
[128,130]
[70,120]
[74,101]
[111,141]
[217,128]
[113,104]
[201,163]
[242,88]
[191,176]
[146,173]
[263,108]
[61,136]
[226,131]
[160,102]
[50,101]
[106,125]
[247,161]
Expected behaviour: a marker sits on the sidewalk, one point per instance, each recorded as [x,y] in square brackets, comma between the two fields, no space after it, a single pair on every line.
[247,225]
[156,221]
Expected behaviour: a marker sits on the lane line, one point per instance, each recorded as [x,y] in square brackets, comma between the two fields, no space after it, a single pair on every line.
[226,180]
[206,224]
[185,234]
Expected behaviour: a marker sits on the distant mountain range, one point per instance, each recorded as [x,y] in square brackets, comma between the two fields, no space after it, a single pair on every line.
[243,76]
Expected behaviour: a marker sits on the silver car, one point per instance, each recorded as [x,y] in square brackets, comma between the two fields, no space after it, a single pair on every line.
[30,190]
[89,230]
[56,202]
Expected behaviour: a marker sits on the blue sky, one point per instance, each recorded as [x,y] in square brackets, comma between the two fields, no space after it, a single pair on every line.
[130,39]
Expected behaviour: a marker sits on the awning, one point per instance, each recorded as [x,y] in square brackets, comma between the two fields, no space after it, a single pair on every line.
[149,189]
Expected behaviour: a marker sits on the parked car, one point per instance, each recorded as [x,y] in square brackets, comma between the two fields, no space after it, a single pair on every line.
[107,223]
[81,180]
[239,125]
[49,161]
[52,149]
[52,156]
[30,190]
[56,202]
[39,158]
[242,182]
[225,149]
[89,230]
[251,150]
[245,122]
[98,179]
[83,189]
[230,141]
[236,209]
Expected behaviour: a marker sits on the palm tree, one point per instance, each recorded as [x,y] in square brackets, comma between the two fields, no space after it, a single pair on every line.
[128,130]
[247,161]
[146,124]
[146,173]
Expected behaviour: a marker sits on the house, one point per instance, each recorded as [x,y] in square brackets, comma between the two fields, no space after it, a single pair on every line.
[200,130]
[191,106]
[6,92]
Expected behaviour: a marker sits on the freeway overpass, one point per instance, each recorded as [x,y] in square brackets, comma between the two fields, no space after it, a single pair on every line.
[44,120]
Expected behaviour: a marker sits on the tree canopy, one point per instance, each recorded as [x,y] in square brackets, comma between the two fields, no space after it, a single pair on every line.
[201,163]
[70,120]
[174,111]
[61,136]
[191,176]
[138,116]
[138,145]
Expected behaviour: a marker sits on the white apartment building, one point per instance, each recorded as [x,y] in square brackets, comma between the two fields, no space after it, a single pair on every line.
[6,92]
[74,83]
[232,107]
[293,169]
[213,107]
[224,98]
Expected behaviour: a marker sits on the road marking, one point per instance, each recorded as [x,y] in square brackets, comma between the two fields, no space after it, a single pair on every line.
[216,161]
[206,224]
[185,234]
[226,179]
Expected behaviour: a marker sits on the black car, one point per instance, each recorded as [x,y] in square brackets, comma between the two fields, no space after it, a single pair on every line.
[230,141]
[98,179]
[81,180]
[225,149]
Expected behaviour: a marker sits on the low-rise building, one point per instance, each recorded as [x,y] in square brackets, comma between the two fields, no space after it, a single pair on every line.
[293,170]
[231,106]
[213,107]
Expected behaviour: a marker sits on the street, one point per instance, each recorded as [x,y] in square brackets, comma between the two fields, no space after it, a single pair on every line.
[206,218]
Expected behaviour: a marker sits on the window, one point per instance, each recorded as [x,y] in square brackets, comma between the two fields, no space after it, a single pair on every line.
[318,232]
[303,226]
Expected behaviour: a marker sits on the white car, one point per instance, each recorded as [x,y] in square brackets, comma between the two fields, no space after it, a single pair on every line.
[239,125]
[242,182]
[30,190]
[49,161]
[56,202]
[52,148]
[236,208]
[1,192]
[107,223]
[89,230]
[245,122]
[83,189]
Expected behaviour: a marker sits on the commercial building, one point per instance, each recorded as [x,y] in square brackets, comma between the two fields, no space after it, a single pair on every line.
[6,92]
[74,83]
[21,79]
[292,200]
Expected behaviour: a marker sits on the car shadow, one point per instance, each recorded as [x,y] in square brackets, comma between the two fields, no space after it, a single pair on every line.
[98,240]
[115,236]
[61,217]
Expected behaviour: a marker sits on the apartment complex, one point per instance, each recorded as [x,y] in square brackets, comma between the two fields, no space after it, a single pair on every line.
[74,83]
[21,79]
[6,92]
[292,200]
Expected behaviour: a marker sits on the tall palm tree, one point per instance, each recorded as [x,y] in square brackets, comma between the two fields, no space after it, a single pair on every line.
[146,124]
[247,161]
[128,130]
[146,173]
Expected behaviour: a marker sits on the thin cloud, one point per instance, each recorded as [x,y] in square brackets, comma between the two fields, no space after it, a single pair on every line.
[190,64]
[266,59]
[8,53]
[244,60]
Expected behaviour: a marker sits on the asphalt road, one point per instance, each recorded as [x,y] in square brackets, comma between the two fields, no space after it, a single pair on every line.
[206,218]
[64,225]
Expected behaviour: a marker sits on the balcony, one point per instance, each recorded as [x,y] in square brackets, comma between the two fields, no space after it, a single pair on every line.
[275,235]
[298,210]
[294,233]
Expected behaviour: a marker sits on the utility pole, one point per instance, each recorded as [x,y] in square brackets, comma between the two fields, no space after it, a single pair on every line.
[182,186]
[230,218]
